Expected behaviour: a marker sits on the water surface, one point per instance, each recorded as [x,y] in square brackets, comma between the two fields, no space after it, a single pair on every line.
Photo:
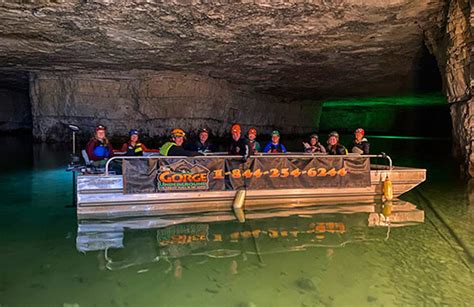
[421,264]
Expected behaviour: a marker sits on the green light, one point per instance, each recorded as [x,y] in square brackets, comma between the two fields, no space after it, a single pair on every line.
[400,137]
[413,100]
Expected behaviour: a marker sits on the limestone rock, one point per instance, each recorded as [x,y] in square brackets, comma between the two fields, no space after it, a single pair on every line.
[299,49]
[155,103]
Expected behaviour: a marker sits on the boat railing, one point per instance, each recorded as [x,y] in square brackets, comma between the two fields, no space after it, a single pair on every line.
[269,155]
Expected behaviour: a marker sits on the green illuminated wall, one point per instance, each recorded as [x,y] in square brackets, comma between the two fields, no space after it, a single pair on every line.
[424,115]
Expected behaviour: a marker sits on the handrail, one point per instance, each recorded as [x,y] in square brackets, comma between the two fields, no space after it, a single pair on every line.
[306,155]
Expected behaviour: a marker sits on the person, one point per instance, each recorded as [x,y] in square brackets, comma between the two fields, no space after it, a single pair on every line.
[134,147]
[361,144]
[334,148]
[274,146]
[253,143]
[238,145]
[98,148]
[174,147]
[314,146]
[203,144]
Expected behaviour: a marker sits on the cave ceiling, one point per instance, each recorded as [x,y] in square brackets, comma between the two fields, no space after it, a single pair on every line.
[297,49]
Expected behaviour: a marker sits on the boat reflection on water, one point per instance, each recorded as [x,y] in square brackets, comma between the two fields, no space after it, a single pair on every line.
[130,242]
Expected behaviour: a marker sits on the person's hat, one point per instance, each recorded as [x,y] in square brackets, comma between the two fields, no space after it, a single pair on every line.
[275,132]
[314,135]
[252,131]
[133,132]
[100,127]
[178,133]
[235,128]
[360,130]
[203,130]
[335,134]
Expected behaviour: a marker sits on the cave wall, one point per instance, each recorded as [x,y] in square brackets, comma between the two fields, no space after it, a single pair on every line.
[416,120]
[15,110]
[459,82]
[157,102]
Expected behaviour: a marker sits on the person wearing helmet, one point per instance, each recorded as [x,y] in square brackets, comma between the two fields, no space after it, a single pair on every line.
[254,145]
[202,144]
[99,148]
[238,145]
[361,144]
[174,147]
[134,147]
[274,146]
[314,146]
[334,148]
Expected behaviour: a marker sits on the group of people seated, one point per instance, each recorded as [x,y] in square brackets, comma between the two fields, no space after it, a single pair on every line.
[100,149]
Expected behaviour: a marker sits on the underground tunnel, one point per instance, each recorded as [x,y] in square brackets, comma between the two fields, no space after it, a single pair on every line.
[399,69]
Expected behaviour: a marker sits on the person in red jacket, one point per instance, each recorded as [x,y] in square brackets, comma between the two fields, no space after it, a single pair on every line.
[99,148]
[134,147]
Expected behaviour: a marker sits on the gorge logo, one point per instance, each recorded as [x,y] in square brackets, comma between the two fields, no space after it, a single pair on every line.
[182,176]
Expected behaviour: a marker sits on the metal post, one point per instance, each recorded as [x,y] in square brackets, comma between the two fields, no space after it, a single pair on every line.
[74,143]
[74,189]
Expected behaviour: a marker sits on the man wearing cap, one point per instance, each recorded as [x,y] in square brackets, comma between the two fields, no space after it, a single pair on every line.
[314,146]
[175,146]
[253,143]
[99,148]
[334,148]
[361,144]
[274,146]
[134,147]
[238,145]
[203,144]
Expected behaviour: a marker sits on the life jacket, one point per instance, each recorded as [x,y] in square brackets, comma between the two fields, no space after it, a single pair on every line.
[166,148]
[362,147]
[136,150]
[200,147]
[275,148]
[101,150]
[337,149]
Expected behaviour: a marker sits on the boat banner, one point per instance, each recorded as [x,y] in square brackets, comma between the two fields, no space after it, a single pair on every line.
[256,173]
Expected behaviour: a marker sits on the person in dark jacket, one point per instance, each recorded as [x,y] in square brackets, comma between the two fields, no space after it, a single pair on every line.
[175,146]
[134,147]
[314,146]
[99,148]
[274,146]
[334,148]
[203,144]
[361,144]
[238,145]
[253,143]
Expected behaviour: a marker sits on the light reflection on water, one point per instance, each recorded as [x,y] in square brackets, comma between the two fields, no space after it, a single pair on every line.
[419,264]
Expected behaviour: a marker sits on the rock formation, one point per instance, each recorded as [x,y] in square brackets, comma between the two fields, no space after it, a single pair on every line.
[156,103]
[454,50]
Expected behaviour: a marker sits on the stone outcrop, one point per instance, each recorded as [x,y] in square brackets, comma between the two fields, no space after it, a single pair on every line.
[157,102]
[454,51]
[15,110]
